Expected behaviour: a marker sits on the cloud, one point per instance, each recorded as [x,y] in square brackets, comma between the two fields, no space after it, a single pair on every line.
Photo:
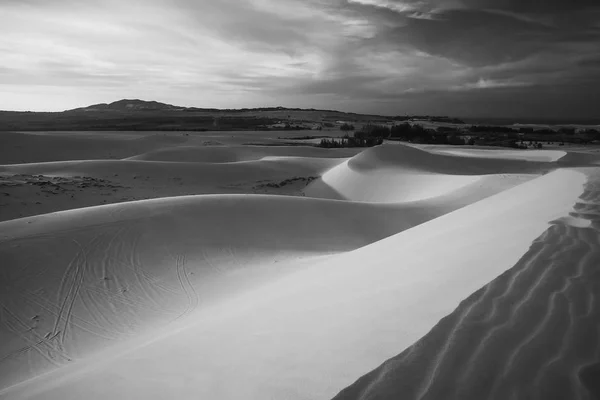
[396,6]
[490,84]
[362,55]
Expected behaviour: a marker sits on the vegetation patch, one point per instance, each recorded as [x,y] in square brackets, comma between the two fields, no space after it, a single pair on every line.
[276,185]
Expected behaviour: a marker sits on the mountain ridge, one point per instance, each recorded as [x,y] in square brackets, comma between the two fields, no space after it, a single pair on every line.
[145,105]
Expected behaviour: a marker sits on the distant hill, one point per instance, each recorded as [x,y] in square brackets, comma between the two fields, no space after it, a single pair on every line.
[130,105]
[141,115]
[142,105]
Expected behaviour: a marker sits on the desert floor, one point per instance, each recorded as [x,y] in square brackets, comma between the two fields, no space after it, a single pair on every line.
[246,265]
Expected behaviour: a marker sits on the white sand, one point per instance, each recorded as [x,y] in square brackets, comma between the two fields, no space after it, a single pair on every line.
[530,155]
[256,297]
[399,173]
[530,333]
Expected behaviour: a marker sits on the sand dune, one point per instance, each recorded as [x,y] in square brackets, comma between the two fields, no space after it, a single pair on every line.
[126,180]
[118,269]
[531,333]
[413,158]
[68,184]
[322,324]
[399,173]
[29,147]
[206,174]
[502,154]
[225,154]
[222,293]
[38,147]
[100,274]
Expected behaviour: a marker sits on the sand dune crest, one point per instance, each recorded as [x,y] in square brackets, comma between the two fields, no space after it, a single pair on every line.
[532,333]
[297,296]
[402,173]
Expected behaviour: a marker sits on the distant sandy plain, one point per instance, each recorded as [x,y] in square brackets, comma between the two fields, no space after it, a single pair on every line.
[194,265]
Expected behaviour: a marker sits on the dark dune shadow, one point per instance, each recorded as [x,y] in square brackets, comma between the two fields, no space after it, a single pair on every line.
[412,157]
[321,190]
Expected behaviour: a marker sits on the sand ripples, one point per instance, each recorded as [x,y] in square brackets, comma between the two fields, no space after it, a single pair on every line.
[532,333]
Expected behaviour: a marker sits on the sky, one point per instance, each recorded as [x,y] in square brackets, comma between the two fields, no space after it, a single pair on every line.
[469,58]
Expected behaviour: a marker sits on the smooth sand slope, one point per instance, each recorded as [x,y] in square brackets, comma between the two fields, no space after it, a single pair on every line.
[73,184]
[392,176]
[247,230]
[503,154]
[532,333]
[300,335]
[87,249]
[244,296]
[78,280]
[40,175]
[226,154]
[27,147]
[16,148]
[400,173]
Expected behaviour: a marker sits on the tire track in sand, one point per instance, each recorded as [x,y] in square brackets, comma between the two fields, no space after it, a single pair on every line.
[186,286]
[74,273]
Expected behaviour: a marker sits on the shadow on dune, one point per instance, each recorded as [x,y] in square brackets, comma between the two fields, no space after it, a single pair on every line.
[575,159]
[532,333]
[324,191]
[403,156]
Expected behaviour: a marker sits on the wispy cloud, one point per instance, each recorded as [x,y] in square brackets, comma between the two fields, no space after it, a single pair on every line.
[397,6]
[383,56]
[490,84]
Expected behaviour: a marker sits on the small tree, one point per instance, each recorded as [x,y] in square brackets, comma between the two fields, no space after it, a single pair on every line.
[373,131]
[347,127]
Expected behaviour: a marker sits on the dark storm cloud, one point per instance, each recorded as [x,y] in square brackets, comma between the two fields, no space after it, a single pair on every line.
[540,51]
[532,6]
[473,37]
[517,6]
[562,101]
[481,35]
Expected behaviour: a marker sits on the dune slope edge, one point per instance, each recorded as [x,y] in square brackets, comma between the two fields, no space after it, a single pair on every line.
[532,333]
[311,332]
[401,173]
[80,280]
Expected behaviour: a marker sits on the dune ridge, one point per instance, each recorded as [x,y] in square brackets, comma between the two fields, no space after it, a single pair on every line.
[403,173]
[294,296]
[530,155]
[449,162]
[393,290]
[532,333]
[126,180]
[110,264]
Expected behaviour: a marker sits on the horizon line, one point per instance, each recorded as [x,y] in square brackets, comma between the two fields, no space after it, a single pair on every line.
[588,120]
